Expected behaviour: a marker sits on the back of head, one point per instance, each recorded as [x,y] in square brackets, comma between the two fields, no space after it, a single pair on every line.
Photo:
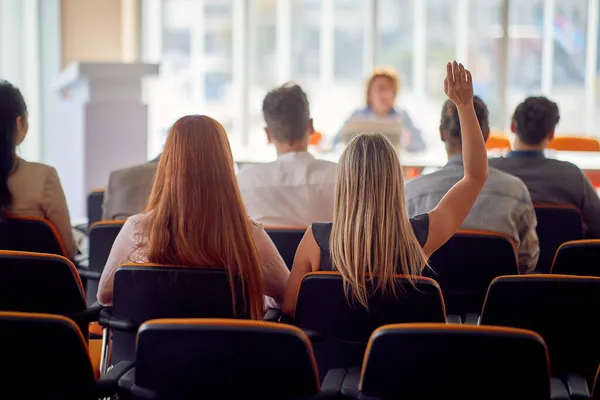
[12,106]
[535,119]
[196,216]
[371,233]
[286,112]
[450,123]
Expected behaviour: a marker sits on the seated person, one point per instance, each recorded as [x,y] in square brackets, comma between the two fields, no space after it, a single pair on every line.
[503,206]
[382,89]
[297,189]
[196,217]
[28,189]
[548,180]
[371,233]
[128,191]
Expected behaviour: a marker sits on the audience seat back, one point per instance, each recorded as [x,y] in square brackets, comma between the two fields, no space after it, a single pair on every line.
[437,361]
[146,292]
[31,234]
[95,199]
[41,283]
[578,257]
[574,143]
[101,238]
[498,141]
[220,358]
[344,326]
[44,357]
[596,387]
[564,310]
[286,240]
[466,264]
[556,224]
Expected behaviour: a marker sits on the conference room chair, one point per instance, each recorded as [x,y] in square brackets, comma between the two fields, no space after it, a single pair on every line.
[101,238]
[49,284]
[437,361]
[466,264]
[45,357]
[578,257]
[143,292]
[286,240]
[498,141]
[223,358]
[340,327]
[574,143]
[95,199]
[556,224]
[562,309]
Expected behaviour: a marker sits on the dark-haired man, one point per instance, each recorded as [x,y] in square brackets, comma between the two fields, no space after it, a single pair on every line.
[296,189]
[503,205]
[548,180]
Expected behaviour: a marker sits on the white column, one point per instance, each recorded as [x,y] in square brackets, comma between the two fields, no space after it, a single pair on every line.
[30,84]
[548,47]
[241,59]
[462,31]
[504,65]
[370,36]
[420,46]
[283,31]
[197,49]
[591,66]
[10,48]
[151,30]
[130,30]
[326,49]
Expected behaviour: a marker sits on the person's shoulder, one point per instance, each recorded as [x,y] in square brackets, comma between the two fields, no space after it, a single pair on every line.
[498,161]
[495,174]
[124,173]
[254,174]
[564,166]
[35,168]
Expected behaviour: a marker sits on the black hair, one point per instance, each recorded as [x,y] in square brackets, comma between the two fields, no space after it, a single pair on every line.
[534,119]
[285,110]
[450,123]
[12,106]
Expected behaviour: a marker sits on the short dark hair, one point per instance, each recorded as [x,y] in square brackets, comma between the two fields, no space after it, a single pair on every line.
[285,110]
[534,119]
[450,123]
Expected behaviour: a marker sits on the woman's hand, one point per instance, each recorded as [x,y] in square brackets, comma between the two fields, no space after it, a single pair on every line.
[458,84]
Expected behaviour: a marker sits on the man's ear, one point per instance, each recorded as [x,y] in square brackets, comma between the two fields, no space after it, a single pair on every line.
[513,127]
[310,128]
[550,136]
[442,135]
[269,140]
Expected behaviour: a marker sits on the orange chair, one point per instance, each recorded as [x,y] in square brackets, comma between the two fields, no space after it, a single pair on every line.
[577,257]
[286,240]
[574,143]
[497,141]
[315,138]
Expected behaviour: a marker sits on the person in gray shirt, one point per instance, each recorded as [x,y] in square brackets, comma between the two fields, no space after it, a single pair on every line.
[548,180]
[503,205]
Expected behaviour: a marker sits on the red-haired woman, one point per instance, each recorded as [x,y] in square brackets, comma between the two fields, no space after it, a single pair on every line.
[196,217]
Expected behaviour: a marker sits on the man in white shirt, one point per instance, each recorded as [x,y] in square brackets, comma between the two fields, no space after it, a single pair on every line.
[297,189]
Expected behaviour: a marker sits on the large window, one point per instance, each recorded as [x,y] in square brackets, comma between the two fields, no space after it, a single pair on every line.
[220,57]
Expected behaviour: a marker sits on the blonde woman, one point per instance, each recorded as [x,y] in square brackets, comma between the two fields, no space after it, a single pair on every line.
[371,233]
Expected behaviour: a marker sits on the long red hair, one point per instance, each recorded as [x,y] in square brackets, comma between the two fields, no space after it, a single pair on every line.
[196,216]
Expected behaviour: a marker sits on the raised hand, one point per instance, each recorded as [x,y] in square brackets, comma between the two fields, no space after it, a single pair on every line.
[458,84]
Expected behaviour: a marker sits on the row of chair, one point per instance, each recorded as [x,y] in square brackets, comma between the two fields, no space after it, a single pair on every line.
[194,358]
[562,309]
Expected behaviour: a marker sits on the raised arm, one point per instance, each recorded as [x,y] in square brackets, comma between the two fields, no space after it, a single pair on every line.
[451,211]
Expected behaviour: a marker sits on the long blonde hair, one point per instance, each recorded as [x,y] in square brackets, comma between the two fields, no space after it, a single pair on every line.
[372,237]
[196,216]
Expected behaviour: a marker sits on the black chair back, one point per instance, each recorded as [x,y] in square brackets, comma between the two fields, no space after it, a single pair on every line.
[578,257]
[437,361]
[564,310]
[146,292]
[286,240]
[44,357]
[344,326]
[466,264]
[210,358]
[101,238]
[42,283]
[556,224]
[30,234]
[95,200]
[596,387]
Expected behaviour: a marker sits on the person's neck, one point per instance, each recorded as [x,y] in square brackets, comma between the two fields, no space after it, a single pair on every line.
[381,113]
[520,146]
[452,151]
[284,148]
